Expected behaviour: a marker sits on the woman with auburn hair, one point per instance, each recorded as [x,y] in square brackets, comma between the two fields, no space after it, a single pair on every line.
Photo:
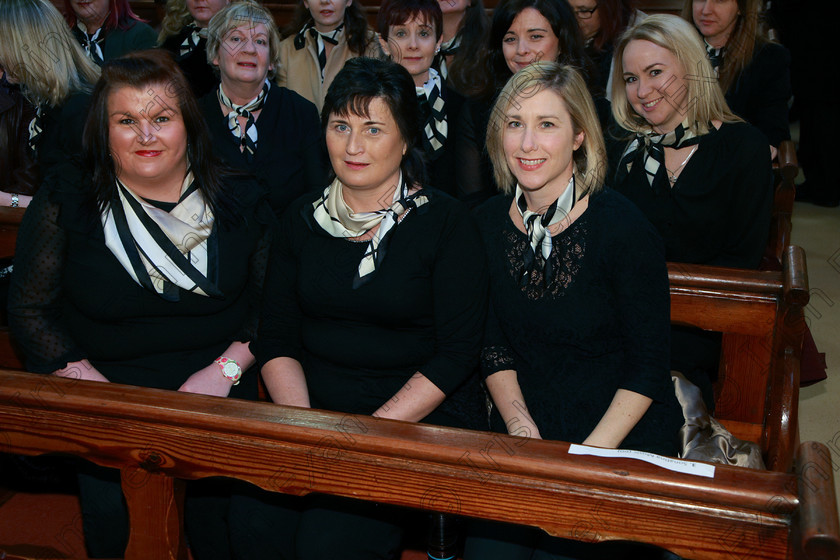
[256,125]
[697,171]
[322,36]
[753,71]
[410,33]
[53,74]
[107,29]
[144,268]
[575,347]
[183,32]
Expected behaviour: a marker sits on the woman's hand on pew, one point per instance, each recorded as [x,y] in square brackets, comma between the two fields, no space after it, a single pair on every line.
[624,412]
[9,199]
[507,395]
[210,380]
[81,370]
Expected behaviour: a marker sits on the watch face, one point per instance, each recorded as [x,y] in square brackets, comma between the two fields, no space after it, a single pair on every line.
[231,370]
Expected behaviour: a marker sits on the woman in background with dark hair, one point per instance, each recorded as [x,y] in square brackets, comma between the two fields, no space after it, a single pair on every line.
[146,269]
[601,22]
[523,31]
[376,297]
[464,34]
[410,34]
[322,36]
[107,29]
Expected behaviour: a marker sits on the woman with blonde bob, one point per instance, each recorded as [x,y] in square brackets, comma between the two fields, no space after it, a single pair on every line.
[39,54]
[699,173]
[573,348]
[256,125]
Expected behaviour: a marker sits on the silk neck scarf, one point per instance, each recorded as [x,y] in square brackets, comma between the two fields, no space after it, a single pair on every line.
[92,43]
[433,115]
[333,214]
[163,251]
[537,226]
[650,147]
[247,138]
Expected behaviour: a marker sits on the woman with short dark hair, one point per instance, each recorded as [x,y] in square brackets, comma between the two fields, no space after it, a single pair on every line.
[375,298]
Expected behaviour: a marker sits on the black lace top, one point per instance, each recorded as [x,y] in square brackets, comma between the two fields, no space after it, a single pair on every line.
[601,323]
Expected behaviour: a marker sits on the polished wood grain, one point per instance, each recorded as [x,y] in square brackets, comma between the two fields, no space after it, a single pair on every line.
[158,437]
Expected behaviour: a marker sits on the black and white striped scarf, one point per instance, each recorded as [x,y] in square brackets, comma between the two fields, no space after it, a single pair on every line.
[339,220]
[249,137]
[193,39]
[651,148]
[92,44]
[537,226]
[433,114]
[163,251]
[448,48]
[715,57]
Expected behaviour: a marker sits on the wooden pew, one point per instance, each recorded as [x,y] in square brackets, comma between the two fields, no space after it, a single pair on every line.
[785,171]
[159,438]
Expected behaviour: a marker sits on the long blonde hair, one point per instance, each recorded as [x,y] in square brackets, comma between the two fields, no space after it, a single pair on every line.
[39,52]
[590,158]
[704,101]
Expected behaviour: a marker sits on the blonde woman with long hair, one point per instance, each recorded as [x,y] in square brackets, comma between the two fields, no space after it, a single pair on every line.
[699,173]
[53,74]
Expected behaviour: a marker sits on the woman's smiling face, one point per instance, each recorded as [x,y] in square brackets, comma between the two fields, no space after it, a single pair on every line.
[654,83]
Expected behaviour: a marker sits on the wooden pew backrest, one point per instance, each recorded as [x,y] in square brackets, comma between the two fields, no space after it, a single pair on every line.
[761,317]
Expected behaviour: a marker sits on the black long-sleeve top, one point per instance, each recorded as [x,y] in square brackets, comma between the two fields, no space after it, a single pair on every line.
[132,35]
[71,299]
[718,211]
[600,325]
[290,158]
[422,311]
[200,75]
[761,93]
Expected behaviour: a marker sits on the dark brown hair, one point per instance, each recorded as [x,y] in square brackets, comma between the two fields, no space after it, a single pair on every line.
[139,70]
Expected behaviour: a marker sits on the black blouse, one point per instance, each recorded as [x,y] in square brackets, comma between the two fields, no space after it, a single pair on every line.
[134,36]
[71,299]
[601,324]
[200,75]
[761,93]
[718,211]
[290,158]
[423,310]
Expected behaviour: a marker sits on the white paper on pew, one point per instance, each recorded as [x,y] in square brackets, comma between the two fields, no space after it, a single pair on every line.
[678,465]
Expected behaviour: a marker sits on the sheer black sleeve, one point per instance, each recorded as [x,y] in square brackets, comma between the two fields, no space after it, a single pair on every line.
[35,295]
[474,172]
